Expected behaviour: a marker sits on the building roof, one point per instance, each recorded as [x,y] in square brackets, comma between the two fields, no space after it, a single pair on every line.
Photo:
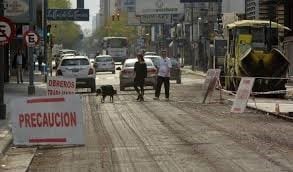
[255,23]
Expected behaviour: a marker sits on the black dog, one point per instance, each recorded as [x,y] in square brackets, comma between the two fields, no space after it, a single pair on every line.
[107,90]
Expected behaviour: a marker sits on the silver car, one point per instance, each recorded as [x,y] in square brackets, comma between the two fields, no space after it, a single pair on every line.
[127,74]
[104,63]
[78,67]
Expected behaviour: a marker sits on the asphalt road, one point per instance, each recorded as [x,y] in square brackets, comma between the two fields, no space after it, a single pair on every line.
[179,135]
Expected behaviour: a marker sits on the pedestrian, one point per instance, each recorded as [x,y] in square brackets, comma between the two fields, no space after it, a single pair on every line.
[140,71]
[35,57]
[19,62]
[163,75]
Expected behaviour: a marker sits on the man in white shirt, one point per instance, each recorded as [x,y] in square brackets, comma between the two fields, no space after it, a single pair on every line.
[163,76]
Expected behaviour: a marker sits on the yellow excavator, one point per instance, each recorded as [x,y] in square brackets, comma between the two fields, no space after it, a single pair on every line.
[254,50]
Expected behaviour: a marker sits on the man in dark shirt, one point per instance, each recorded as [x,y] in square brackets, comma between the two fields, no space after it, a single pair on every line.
[140,70]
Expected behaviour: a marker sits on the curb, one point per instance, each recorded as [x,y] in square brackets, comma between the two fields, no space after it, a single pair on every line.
[189,71]
[280,115]
[5,142]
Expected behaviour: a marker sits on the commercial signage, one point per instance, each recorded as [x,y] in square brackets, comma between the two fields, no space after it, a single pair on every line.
[144,7]
[31,38]
[243,93]
[47,120]
[68,14]
[7,30]
[17,10]
[156,19]
[15,7]
[210,82]
[133,20]
[60,86]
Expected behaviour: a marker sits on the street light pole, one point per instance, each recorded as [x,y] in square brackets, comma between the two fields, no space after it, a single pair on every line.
[2,105]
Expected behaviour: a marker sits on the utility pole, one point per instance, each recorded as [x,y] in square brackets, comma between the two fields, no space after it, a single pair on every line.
[191,45]
[2,105]
[31,87]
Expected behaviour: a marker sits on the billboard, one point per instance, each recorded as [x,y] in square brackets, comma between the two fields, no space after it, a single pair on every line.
[144,7]
[156,19]
[17,10]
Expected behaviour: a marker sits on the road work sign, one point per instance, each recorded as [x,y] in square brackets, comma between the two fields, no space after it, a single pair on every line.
[243,94]
[60,86]
[210,83]
[54,120]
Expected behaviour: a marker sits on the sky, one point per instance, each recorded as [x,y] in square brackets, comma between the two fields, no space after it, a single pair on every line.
[94,6]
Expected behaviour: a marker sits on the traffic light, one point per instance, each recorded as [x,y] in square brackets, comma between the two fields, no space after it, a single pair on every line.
[48,33]
[116,15]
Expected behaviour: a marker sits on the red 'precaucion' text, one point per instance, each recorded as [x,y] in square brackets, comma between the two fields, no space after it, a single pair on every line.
[53,119]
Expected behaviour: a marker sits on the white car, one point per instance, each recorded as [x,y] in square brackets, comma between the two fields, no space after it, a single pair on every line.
[150,53]
[78,67]
[104,63]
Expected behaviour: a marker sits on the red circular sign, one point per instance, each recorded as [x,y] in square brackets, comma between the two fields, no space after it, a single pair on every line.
[7,30]
[31,38]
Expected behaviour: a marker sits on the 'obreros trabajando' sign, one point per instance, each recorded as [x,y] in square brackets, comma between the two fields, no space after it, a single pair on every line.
[144,7]
[7,30]
[31,38]
[60,86]
[47,120]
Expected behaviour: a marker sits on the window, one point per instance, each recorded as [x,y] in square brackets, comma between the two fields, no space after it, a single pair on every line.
[74,62]
[104,59]
[117,43]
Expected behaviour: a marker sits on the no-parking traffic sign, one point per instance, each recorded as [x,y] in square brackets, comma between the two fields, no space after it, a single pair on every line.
[7,30]
[31,38]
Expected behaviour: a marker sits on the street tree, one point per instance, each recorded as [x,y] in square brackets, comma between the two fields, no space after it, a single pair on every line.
[67,33]
[117,25]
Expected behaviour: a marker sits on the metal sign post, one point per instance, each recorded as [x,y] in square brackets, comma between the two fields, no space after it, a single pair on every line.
[2,105]
[7,31]
[31,87]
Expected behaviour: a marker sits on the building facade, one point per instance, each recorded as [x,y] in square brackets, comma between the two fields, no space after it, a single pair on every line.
[107,9]
[265,10]
[233,6]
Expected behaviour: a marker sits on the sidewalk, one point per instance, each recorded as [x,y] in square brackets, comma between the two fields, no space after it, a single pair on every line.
[13,90]
[187,70]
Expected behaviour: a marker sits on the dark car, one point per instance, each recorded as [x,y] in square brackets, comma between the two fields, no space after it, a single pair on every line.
[176,70]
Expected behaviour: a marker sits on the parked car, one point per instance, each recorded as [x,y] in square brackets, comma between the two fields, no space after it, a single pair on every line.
[127,74]
[78,67]
[175,70]
[60,57]
[155,59]
[150,53]
[104,63]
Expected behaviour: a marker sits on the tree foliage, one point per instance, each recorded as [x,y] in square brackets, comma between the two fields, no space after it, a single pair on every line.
[117,28]
[64,32]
